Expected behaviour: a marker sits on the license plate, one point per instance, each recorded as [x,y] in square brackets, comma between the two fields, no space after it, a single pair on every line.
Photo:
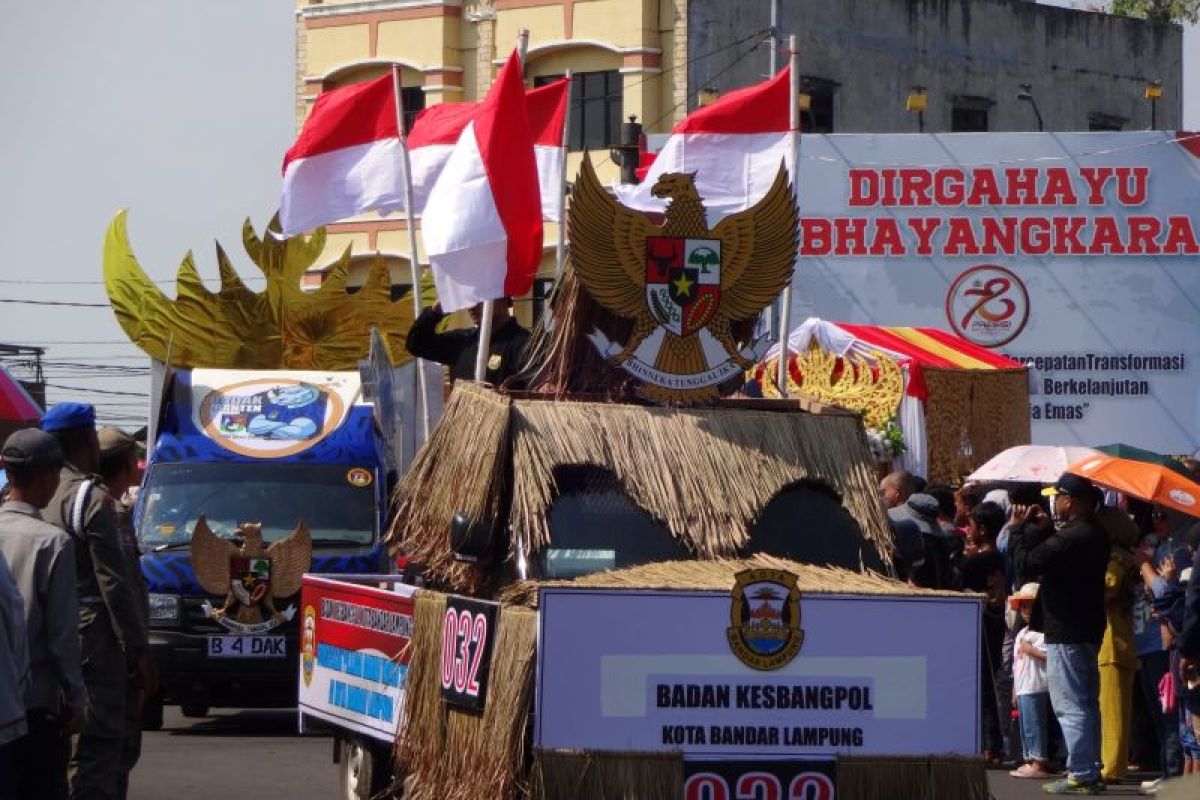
[247,646]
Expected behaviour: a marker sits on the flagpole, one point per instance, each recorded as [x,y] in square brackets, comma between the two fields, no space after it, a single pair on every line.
[485,316]
[560,255]
[785,306]
[414,261]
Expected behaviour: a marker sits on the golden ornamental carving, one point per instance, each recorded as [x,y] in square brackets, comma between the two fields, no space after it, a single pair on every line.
[872,384]
[281,327]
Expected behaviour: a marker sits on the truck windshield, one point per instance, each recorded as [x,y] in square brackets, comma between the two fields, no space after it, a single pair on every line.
[276,495]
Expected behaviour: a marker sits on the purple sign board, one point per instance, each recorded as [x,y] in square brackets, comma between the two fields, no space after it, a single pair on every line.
[654,671]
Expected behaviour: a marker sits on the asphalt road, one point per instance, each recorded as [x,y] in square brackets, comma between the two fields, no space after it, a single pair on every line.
[257,754]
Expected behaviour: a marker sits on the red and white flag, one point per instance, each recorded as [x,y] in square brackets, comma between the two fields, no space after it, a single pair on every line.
[547,106]
[347,159]
[483,223]
[734,145]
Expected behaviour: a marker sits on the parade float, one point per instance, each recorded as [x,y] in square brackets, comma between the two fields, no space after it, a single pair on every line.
[269,456]
[934,403]
[636,583]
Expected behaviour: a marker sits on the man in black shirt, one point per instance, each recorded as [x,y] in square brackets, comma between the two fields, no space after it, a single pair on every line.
[1071,562]
[456,349]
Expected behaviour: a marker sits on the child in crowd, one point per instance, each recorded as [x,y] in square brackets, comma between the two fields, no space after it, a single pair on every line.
[1031,689]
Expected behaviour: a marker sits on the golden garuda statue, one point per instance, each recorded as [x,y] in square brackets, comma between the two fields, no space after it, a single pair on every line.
[681,285]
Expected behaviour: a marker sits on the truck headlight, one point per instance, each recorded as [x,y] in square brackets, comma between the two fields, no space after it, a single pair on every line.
[164,608]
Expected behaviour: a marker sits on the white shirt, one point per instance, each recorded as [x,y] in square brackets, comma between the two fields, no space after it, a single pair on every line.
[1029,673]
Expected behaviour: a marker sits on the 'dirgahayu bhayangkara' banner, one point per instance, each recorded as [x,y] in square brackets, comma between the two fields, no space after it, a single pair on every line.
[1076,253]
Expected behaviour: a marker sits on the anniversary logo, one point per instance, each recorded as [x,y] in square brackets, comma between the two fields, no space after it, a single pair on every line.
[682,285]
[251,575]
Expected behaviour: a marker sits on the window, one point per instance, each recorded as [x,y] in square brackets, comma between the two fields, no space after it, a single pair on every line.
[806,522]
[595,526]
[969,114]
[1105,122]
[541,294]
[596,102]
[818,117]
[414,103]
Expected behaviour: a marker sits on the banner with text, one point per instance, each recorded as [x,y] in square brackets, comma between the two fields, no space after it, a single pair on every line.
[352,638]
[659,671]
[1076,253]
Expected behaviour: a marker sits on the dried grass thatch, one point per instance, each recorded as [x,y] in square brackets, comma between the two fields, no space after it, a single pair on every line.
[446,754]
[973,415]
[706,474]
[884,778]
[604,775]
[719,575]
[460,469]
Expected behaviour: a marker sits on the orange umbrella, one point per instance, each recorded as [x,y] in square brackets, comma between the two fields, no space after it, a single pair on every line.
[1154,483]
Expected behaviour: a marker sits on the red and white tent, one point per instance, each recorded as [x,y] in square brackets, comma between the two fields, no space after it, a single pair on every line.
[918,351]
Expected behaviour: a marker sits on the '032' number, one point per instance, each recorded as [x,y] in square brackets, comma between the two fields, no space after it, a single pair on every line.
[463,638]
[758,786]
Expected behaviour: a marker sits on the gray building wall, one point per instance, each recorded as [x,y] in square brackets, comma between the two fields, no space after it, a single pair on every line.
[1079,63]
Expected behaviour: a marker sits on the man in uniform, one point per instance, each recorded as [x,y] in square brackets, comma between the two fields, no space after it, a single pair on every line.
[42,558]
[119,472]
[457,349]
[112,635]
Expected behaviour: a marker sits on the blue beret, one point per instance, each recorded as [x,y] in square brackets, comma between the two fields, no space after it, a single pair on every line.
[65,416]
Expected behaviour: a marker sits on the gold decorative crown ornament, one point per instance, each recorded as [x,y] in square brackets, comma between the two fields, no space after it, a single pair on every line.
[282,327]
[871,384]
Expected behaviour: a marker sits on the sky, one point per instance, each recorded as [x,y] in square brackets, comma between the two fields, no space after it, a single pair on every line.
[179,111]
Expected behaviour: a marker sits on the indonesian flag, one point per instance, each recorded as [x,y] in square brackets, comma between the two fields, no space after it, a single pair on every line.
[347,159]
[483,222]
[734,146]
[547,107]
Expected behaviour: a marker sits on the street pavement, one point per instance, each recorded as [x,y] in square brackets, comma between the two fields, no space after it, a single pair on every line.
[258,754]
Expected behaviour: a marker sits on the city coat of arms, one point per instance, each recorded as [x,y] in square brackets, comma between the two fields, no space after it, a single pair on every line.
[682,285]
[251,575]
[764,616]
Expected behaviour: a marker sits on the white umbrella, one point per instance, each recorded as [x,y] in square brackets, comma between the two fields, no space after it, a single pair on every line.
[1037,463]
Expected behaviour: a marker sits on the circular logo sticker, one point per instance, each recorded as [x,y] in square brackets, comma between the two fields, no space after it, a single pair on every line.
[988,305]
[1184,498]
[308,644]
[270,418]
[358,476]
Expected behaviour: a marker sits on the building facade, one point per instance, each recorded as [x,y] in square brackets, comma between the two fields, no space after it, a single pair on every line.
[450,50]
[861,60]
[864,64]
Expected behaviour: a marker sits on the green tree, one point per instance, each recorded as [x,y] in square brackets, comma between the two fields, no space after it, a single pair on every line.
[1159,11]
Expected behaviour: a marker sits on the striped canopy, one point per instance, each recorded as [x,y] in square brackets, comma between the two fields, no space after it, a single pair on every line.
[911,347]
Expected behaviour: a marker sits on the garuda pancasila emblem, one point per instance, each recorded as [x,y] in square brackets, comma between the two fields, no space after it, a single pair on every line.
[682,284]
[251,575]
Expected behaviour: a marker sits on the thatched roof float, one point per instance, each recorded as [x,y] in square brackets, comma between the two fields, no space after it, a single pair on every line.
[723,482]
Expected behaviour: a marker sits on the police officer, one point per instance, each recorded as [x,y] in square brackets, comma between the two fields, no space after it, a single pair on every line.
[42,559]
[112,635]
[119,472]
[456,349]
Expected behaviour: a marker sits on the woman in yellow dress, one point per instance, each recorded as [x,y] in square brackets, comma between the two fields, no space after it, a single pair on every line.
[1118,657]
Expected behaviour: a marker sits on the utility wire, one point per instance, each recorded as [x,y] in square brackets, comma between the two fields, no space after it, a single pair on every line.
[54,303]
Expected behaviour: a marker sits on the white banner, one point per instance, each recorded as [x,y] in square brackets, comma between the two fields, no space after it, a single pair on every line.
[1078,253]
[664,670]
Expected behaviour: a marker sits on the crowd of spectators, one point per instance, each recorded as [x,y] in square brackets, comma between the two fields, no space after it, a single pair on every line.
[1090,647]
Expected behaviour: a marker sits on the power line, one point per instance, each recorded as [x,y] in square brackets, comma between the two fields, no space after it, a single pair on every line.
[54,303]
[96,391]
